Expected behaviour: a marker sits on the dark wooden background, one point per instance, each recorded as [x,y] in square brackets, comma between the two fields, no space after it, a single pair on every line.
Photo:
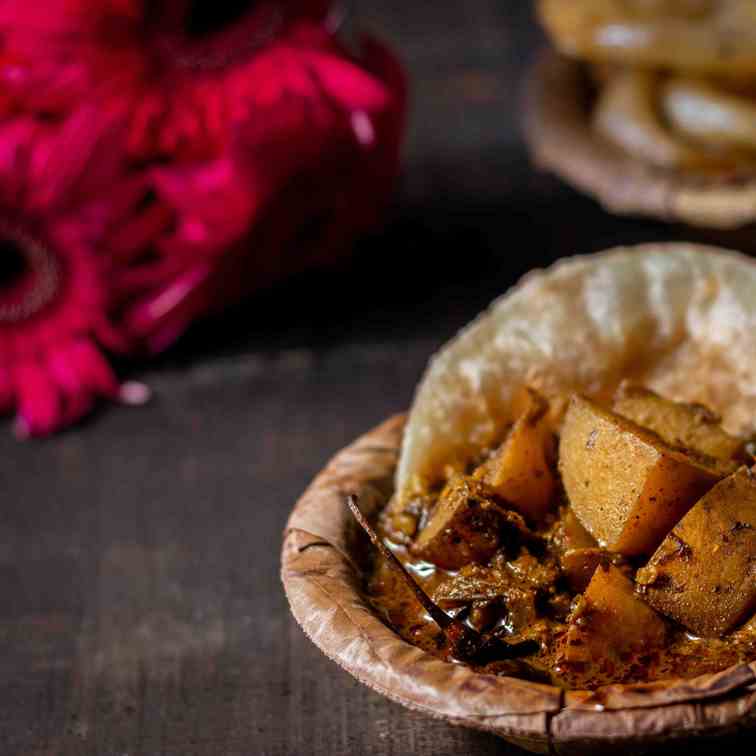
[140,604]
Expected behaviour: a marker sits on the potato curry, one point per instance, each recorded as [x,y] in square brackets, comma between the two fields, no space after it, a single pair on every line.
[599,543]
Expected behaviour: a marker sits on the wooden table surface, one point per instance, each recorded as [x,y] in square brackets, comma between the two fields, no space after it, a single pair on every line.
[140,605]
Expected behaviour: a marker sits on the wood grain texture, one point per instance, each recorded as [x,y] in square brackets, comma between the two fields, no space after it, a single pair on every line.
[140,606]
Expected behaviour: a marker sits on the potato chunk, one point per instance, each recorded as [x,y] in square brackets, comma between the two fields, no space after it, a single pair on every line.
[610,623]
[690,426]
[704,573]
[624,483]
[519,472]
[578,565]
[465,526]
[570,533]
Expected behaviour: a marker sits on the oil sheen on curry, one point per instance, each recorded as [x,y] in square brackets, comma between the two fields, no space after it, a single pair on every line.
[619,538]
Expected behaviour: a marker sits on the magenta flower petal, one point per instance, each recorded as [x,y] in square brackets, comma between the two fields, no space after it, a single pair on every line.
[7,392]
[83,155]
[56,162]
[93,371]
[76,398]
[39,409]
[136,235]
[350,86]
[159,321]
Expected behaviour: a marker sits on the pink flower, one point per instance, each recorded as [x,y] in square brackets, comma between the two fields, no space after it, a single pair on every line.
[148,178]
[311,168]
[182,90]
[65,204]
